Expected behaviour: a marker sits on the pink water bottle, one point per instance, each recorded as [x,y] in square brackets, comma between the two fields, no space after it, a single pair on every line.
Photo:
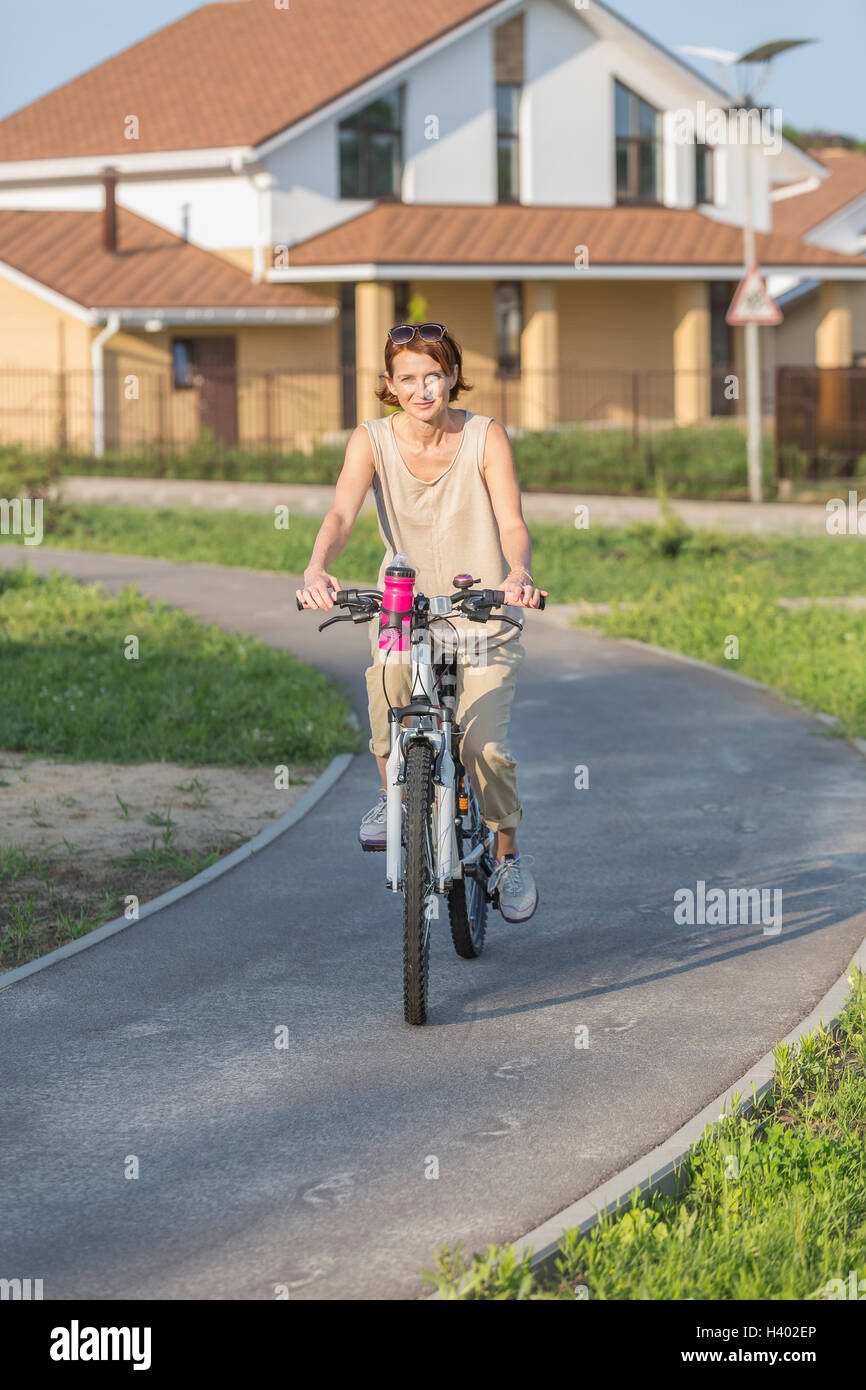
[396,608]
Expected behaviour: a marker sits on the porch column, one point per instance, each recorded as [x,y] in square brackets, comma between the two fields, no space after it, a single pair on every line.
[833,348]
[374,315]
[539,356]
[692,355]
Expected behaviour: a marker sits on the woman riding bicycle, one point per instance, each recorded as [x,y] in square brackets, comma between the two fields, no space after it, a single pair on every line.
[447,497]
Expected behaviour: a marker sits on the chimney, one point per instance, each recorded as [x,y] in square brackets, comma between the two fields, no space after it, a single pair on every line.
[109,216]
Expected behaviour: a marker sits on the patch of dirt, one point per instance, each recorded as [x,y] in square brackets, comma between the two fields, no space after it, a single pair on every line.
[76,818]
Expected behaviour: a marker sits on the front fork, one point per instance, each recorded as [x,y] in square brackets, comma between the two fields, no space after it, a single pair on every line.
[447,866]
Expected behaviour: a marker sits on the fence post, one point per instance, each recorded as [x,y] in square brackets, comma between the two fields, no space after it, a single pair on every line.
[776,459]
[160,422]
[635,389]
[62,411]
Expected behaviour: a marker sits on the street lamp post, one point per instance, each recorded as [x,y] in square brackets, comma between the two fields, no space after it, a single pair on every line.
[754,403]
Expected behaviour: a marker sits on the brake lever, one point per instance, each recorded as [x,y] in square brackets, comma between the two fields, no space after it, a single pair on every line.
[340,618]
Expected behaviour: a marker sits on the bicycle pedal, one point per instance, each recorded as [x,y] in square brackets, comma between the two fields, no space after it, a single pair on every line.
[373,849]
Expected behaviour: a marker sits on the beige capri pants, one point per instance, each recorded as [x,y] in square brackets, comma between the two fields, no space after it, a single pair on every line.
[484,695]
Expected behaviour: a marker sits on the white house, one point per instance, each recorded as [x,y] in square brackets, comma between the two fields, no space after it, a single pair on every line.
[265,189]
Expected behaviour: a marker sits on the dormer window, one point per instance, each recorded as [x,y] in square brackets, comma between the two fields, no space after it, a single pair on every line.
[371,149]
[637,147]
[507,146]
[508,72]
[703,174]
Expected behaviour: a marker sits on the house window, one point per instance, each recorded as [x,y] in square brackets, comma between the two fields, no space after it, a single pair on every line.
[637,148]
[508,141]
[703,174]
[347,354]
[508,310]
[371,149]
[182,362]
[508,49]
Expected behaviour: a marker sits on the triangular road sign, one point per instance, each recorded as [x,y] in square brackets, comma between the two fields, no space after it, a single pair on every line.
[752,301]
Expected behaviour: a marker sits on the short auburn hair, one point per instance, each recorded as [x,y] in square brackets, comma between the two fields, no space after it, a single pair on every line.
[447,352]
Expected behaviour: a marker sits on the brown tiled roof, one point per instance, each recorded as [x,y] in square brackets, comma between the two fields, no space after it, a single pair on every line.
[227,74]
[508,234]
[153,268]
[794,216]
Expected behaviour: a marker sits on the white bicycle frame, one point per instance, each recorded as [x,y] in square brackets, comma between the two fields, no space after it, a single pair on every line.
[448,865]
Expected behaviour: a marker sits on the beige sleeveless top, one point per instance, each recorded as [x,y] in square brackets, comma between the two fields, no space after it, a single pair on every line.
[444,527]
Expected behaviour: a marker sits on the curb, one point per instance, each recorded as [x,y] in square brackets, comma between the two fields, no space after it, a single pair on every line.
[658,1171]
[312,795]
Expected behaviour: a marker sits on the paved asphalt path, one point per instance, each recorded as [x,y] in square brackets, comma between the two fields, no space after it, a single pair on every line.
[306,1166]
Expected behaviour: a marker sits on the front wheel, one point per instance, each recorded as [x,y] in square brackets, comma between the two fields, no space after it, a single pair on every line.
[419,896]
[467,902]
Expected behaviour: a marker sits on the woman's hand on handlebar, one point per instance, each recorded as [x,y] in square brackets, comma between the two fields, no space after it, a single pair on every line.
[521,594]
[319,589]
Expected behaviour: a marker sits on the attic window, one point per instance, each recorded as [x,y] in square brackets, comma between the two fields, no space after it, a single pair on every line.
[703,174]
[371,149]
[637,147]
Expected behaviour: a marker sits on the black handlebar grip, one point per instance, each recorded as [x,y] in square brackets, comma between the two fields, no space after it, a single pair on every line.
[340,597]
[499,597]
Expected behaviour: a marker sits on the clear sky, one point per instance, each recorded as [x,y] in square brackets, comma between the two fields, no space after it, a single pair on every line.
[46,42]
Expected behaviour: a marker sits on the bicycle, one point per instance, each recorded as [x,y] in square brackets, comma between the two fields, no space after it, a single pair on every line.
[445,849]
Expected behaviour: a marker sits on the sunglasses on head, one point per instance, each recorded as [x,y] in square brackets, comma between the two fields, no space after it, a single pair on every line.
[403,333]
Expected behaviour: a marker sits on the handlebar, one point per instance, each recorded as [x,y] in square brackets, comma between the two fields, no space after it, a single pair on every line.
[367,603]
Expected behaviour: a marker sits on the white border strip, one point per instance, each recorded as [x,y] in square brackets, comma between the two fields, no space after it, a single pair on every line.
[322,784]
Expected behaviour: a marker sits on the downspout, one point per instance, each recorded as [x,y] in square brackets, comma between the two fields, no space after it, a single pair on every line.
[97,367]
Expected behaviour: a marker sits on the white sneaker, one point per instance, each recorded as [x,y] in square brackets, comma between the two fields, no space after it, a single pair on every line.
[518,895]
[373,834]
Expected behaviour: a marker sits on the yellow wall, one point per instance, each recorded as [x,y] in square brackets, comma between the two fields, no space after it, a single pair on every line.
[607,330]
[287,391]
[627,325]
[36,338]
[244,256]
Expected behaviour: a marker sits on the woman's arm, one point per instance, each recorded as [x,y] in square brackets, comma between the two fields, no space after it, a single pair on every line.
[501,478]
[334,532]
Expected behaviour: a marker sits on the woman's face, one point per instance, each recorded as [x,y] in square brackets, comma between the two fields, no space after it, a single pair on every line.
[421,386]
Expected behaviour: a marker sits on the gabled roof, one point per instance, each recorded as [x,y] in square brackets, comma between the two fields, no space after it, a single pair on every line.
[152,269]
[510,234]
[228,74]
[798,214]
[237,73]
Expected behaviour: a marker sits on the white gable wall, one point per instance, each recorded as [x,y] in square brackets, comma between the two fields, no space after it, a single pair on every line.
[305,198]
[567,143]
[451,95]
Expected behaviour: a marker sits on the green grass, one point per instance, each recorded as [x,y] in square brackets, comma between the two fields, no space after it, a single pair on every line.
[690,589]
[694,462]
[774,1205]
[600,564]
[195,695]
[813,656]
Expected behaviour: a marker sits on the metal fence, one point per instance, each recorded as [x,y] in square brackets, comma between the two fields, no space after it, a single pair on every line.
[820,423]
[144,408]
